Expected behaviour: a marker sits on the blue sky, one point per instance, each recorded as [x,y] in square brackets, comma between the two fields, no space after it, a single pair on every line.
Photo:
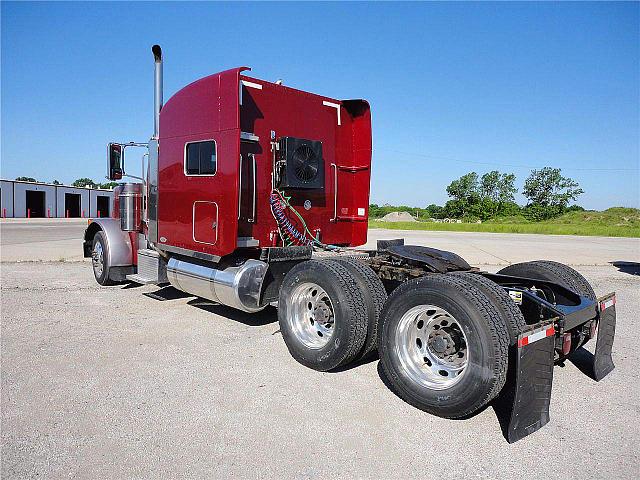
[453,87]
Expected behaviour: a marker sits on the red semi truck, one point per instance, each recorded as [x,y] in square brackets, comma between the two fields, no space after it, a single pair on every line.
[254,193]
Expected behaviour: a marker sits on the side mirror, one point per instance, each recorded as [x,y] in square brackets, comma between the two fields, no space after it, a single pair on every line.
[114,161]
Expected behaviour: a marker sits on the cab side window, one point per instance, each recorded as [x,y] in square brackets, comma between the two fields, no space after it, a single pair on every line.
[200,158]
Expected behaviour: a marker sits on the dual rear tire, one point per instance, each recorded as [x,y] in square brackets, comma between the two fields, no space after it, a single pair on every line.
[325,313]
[444,345]
[443,340]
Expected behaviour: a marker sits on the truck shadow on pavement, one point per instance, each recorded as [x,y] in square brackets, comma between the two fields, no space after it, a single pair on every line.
[259,319]
[502,405]
[583,359]
[265,317]
[632,268]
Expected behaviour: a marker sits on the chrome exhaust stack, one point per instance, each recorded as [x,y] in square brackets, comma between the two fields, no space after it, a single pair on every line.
[157,89]
[238,287]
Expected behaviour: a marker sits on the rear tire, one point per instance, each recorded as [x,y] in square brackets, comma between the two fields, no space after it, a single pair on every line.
[468,322]
[375,296]
[322,314]
[511,314]
[553,272]
[100,260]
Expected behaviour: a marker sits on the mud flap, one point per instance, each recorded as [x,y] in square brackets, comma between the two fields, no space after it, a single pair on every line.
[602,361]
[532,386]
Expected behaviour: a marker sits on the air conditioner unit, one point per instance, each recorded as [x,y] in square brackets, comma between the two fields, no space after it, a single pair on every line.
[301,164]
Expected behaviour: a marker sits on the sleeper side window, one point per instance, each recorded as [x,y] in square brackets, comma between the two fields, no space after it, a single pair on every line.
[201,158]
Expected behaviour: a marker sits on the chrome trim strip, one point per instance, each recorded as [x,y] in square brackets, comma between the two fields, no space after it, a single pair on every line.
[335,193]
[249,137]
[189,253]
[255,187]
[240,188]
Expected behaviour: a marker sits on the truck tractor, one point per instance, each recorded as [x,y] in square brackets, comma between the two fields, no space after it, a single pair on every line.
[254,193]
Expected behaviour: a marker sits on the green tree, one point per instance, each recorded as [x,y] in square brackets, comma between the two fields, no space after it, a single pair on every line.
[434,211]
[26,179]
[549,193]
[490,185]
[108,185]
[465,188]
[56,182]
[83,182]
[464,192]
[496,189]
[548,187]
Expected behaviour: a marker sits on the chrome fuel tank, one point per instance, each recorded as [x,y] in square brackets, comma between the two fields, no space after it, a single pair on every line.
[238,287]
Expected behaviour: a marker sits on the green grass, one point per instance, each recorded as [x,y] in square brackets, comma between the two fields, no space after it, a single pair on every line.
[614,222]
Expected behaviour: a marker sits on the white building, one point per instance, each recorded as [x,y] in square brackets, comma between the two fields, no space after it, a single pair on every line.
[45,200]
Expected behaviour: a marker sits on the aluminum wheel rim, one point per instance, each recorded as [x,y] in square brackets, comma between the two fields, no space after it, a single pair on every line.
[311,315]
[432,347]
[97,259]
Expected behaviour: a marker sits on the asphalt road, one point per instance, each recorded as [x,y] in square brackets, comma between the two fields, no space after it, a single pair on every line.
[61,240]
[46,239]
[105,382]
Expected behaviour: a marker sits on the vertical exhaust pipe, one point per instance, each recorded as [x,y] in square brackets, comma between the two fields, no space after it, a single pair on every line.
[157,89]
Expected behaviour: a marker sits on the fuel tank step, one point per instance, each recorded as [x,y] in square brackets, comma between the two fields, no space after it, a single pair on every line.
[152,268]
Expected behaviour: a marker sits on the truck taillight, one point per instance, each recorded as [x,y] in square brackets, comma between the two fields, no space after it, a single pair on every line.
[566,343]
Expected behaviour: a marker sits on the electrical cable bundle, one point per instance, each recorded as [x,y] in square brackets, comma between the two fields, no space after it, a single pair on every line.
[289,233]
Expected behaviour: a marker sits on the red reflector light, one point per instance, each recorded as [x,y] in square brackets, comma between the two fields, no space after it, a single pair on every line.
[610,302]
[566,343]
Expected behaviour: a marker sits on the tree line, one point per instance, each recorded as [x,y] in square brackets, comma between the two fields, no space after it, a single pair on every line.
[80,183]
[492,195]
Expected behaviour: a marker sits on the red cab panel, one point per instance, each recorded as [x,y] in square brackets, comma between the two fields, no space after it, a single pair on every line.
[216,160]
[198,209]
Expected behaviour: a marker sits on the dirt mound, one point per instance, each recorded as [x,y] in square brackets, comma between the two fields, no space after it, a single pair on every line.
[398,217]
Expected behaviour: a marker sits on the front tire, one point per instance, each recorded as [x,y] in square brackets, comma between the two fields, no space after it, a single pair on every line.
[322,314]
[100,259]
[443,345]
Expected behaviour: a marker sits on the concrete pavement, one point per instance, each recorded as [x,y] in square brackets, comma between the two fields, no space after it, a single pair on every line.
[105,382]
[506,248]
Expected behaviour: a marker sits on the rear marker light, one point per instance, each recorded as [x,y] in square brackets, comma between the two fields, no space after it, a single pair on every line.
[566,343]
[534,337]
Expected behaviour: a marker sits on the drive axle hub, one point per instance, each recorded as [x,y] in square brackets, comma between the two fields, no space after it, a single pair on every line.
[432,346]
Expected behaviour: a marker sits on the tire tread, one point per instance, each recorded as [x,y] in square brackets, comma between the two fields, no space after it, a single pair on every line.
[355,304]
[497,331]
[569,277]
[377,294]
